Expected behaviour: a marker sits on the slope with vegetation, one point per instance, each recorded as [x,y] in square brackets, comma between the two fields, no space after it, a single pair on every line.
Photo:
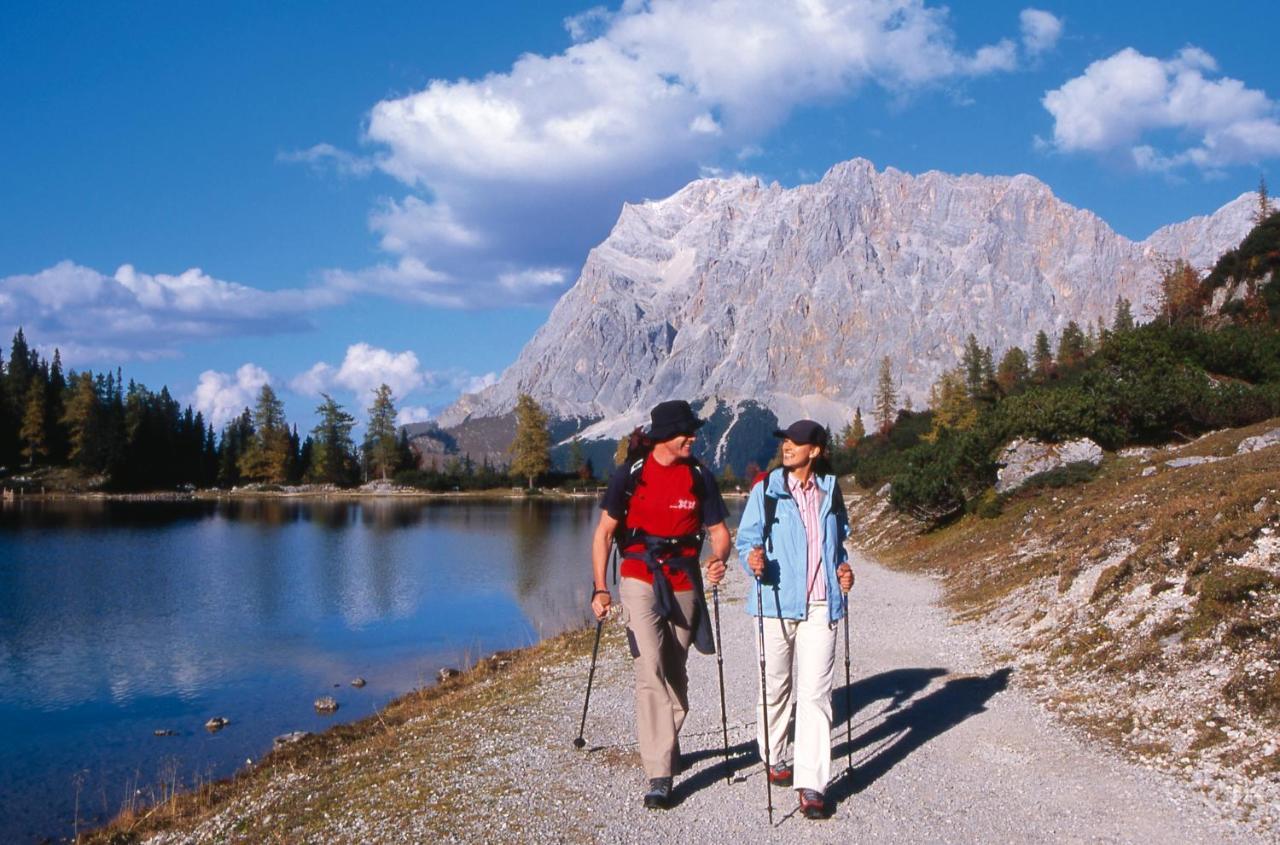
[1142,597]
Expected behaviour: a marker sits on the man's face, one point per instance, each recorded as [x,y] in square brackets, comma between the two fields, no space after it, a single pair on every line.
[796,455]
[680,446]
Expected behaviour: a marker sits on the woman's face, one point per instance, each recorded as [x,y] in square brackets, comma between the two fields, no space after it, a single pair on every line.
[797,455]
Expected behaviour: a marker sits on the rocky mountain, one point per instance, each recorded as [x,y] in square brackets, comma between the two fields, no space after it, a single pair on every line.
[731,290]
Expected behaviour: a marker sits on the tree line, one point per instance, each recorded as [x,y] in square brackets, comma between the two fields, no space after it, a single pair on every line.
[138,439]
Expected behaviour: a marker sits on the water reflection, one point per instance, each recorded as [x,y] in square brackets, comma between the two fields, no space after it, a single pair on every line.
[122,617]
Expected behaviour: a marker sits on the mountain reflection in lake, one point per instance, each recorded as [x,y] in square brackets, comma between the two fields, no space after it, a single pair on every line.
[119,619]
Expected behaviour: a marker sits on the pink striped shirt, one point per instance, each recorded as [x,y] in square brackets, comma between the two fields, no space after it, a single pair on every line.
[808,498]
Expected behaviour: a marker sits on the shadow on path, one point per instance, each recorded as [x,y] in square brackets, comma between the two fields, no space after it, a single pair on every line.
[894,739]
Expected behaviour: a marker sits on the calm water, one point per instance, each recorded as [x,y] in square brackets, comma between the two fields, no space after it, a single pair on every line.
[118,619]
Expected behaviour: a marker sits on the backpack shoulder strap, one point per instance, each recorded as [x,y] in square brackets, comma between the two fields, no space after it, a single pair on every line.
[699,473]
[770,511]
[633,479]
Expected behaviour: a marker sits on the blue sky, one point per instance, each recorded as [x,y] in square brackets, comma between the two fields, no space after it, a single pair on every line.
[330,195]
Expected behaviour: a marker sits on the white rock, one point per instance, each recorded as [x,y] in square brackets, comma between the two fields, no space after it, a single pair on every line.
[1022,459]
[1261,441]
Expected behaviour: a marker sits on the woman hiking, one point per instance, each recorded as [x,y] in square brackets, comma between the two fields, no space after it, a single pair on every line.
[655,508]
[791,539]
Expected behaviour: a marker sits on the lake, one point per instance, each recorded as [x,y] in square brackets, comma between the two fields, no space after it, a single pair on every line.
[118,619]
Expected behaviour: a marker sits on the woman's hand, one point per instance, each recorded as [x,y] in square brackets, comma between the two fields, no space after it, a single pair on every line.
[600,604]
[755,561]
[844,572]
[715,570]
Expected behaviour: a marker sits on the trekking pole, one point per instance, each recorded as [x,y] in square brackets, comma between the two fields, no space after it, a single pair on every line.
[579,742]
[724,719]
[764,703]
[848,691]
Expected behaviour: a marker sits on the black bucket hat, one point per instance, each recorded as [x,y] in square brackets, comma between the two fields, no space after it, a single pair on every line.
[671,418]
[804,433]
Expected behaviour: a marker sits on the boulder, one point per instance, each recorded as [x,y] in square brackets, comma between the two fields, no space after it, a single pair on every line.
[165,732]
[289,738]
[216,724]
[358,682]
[1023,459]
[447,674]
[326,704]
[1192,461]
[1261,441]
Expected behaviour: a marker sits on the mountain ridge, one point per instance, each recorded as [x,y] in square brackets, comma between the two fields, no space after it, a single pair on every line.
[730,289]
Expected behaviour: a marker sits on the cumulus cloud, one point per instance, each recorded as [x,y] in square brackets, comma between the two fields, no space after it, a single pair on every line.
[1118,102]
[527,168]
[475,384]
[132,315]
[412,414]
[1040,30]
[221,397]
[363,369]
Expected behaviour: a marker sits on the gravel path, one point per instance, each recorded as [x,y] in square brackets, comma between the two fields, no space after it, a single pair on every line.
[945,748]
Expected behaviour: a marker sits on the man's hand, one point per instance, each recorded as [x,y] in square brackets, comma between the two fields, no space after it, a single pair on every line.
[715,570]
[845,573]
[600,604]
[755,561]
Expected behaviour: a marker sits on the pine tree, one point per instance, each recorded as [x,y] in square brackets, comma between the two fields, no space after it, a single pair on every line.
[531,449]
[576,456]
[952,405]
[1071,346]
[1178,295]
[854,431]
[331,453]
[1264,209]
[267,454]
[971,363]
[380,446]
[83,420]
[1123,320]
[35,446]
[1013,372]
[886,397]
[1042,358]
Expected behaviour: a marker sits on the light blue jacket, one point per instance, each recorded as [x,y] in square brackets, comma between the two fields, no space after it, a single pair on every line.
[786,557]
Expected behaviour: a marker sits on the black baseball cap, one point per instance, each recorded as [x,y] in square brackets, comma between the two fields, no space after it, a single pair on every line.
[804,432]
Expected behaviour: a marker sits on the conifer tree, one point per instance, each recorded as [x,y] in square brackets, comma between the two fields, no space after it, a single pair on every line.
[35,446]
[380,446]
[267,454]
[1264,209]
[1042,358]
[531,449]
[331,459]
[952,405]
[1013,372]
[83,420]
[886,397]
[1071,346]
[576,456]
[1123,320]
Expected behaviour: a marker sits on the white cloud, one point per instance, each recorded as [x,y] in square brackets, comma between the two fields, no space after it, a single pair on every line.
[412,414]
[321,156]
[409,279]
[1118,101]
[363,369]
[314,381]
[532,279]
[133,315]
[475,384]
[1040,30]
[222,397]
[527,168]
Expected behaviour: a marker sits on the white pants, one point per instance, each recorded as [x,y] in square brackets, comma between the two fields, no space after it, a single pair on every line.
[811,644]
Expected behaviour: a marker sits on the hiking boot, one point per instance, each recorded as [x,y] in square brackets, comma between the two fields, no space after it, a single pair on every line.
[659,795]
[780,774]
[811,804]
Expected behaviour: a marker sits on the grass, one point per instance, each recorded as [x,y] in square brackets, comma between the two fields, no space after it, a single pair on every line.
[1179,585]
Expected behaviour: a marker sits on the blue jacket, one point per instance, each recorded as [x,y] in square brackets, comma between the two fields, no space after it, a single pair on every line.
[786,557]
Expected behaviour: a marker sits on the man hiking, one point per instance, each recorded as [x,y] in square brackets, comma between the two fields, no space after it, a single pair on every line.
[655,508]
[791,539]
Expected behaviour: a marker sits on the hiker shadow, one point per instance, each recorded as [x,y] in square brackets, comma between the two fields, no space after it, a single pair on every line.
[910,727]
[740,756]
